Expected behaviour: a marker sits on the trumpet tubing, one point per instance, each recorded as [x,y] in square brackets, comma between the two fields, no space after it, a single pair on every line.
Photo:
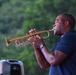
[16,40]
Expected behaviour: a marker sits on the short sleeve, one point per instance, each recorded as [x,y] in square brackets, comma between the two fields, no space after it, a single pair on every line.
[66,44]
[64,48]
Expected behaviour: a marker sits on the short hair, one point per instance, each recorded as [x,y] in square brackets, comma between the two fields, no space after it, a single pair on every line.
[70,18]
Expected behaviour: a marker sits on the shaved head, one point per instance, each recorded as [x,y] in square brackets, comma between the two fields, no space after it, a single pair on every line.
[70,19]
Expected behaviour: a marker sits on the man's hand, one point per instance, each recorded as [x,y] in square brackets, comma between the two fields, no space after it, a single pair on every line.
[36,40]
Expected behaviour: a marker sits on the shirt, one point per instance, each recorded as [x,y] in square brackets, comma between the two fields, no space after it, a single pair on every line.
[67,45]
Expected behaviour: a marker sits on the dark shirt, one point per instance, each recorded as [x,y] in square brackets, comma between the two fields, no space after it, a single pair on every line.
[67,45]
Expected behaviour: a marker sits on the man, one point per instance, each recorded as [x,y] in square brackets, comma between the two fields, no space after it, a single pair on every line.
[62,58]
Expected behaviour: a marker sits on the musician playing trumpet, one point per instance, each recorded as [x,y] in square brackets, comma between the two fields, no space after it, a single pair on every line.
[62,58]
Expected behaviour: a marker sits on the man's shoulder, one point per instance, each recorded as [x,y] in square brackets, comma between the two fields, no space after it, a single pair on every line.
[70,34]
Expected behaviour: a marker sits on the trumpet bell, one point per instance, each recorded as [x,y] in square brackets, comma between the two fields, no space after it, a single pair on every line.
[7,41]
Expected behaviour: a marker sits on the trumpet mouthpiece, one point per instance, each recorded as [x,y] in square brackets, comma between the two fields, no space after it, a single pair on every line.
[51,29]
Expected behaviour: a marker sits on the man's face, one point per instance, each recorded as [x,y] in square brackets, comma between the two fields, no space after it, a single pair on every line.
[59,26]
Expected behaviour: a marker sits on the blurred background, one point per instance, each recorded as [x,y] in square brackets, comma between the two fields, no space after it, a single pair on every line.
[17,17]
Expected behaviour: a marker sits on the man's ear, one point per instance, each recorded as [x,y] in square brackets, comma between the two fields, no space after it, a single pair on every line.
[66,23]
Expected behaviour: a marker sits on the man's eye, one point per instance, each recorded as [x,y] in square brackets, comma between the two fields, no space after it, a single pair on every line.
[56,21]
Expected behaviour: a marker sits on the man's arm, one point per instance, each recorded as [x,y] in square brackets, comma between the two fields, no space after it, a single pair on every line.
[41,59]
[55,58]
[46,58]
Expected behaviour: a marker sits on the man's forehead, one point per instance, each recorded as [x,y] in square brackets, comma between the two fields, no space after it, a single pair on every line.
[58,17]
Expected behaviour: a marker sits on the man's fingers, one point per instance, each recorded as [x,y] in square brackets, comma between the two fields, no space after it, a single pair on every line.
[32,31]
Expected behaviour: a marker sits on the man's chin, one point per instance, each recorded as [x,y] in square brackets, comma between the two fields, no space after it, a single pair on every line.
[57,34]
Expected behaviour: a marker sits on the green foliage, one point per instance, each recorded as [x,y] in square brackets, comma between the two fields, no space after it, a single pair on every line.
[17,17]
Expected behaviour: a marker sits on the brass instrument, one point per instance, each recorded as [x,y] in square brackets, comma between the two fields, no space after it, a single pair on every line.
[16,40]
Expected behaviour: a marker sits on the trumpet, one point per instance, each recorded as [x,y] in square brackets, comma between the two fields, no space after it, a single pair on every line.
[16,40]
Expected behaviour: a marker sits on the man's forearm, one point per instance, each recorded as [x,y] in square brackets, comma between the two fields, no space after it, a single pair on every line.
[49,56]
[41,59]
